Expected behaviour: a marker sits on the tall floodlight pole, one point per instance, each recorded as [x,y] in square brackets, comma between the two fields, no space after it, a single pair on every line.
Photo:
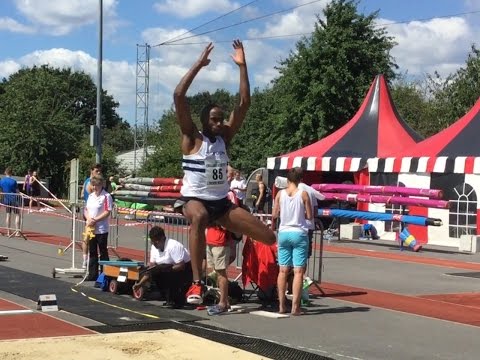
[98,156]
[141,109]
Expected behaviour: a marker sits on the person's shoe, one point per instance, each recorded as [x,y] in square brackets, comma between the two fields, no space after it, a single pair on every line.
[195,294]
[216,310]
[307,282]
[173,305]
[417,248]
[305,302]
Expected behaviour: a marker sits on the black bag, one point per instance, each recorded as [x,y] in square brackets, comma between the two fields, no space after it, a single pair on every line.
[235,292]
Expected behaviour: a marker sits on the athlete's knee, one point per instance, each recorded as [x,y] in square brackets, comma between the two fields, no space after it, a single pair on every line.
[270,237]
[199,219]
[196,214]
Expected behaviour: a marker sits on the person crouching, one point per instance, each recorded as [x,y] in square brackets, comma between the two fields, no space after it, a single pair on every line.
[169,267]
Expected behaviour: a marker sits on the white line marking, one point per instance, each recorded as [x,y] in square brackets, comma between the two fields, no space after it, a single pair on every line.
[15,312]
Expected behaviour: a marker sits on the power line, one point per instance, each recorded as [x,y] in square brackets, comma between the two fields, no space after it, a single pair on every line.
[431,18]
[208,22]
[174,43]
[244,22]
[247,39]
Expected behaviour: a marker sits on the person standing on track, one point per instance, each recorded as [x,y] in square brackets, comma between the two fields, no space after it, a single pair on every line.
[293,207]
[34,190]
[11,201]
[97,212]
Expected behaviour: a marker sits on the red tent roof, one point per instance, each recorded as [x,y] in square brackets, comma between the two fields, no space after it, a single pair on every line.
[376,130]
[454,149]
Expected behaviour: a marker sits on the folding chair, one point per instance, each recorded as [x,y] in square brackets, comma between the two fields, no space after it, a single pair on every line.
[260,270]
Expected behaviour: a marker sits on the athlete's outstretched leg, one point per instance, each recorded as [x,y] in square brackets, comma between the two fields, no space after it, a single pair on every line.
[241,221]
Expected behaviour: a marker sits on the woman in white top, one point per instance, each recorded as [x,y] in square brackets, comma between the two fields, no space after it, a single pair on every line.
[98,208]
[293,207]
[239,186]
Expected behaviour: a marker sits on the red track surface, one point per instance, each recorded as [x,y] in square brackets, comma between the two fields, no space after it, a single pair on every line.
[34,325]
[433,306]
[404,257]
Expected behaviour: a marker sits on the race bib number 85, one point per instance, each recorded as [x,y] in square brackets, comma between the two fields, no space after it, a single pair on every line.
[216,172]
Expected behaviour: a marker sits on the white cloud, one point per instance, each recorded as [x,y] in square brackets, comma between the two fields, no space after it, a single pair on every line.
[8,67]
[437,44]
[61,58]
[192,8]
[262,58]
[12,25]
[61,17]
[263,77]
[298,21]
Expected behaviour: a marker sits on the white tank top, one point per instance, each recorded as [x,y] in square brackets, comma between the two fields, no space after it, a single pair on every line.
[205,172]
[292,212]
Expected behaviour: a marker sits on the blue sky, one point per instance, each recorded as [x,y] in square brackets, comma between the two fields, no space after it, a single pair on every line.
[431,37]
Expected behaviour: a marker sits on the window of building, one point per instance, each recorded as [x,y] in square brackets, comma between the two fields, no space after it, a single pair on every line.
[463,211]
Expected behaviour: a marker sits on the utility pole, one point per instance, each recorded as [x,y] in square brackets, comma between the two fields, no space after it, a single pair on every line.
[98,135]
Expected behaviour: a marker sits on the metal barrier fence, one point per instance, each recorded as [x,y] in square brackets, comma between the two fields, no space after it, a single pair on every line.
[176,227]
[78,227]
[14,205]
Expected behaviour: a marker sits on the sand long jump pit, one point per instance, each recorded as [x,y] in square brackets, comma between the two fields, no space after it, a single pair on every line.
[144,345]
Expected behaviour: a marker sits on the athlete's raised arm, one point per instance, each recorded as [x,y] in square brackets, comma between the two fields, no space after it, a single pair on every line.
[238,114]
[184,117]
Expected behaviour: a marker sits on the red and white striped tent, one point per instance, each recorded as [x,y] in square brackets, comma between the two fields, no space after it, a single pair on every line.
[450,161]
[376,130]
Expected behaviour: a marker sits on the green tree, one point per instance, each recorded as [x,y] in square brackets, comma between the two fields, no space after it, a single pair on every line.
[256,139]
[87,155]
[453,96]
[166,159]
[322,83]
[120,137]
[412,102]
[45,114]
